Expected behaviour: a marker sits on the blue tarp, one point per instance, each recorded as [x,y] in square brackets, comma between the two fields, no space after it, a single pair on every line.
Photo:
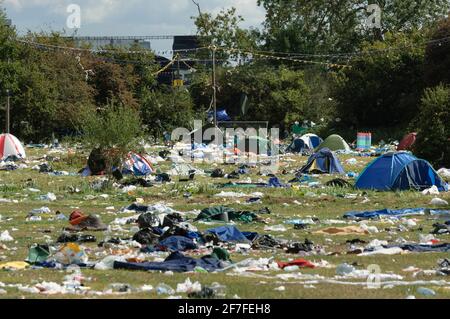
[393,213]
[399,171]
[228,233]
[176,262]
[419,248]
[177,243]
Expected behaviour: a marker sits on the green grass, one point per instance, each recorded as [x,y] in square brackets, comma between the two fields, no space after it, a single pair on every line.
[328,204]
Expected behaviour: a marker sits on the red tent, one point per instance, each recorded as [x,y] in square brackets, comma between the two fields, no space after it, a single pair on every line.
[407,142]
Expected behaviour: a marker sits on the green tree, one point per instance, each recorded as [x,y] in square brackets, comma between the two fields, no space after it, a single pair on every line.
[339,26]
[437,57]
[382,88]
[276,95]
[48,87]
[138,67]
[166,109]
[433,126]
[115,130]
[224,31]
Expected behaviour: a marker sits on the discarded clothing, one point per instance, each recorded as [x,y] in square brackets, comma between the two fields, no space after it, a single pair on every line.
[276,183]
[147,220]
[302,263]
[295,248]
[66,238]
[176,262]
[342,231]
[137,182]
[267,241]
[147,236]
[441,229]
[79,222]
[217,173]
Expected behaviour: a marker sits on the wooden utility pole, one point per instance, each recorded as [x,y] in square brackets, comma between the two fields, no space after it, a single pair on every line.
[8,100]
[214,48]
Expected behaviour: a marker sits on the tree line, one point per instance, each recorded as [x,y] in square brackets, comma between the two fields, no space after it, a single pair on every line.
[311,60]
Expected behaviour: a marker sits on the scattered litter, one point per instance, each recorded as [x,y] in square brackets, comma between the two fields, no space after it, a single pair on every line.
[431,191]
[438,202]
[426,292]
[5,236]
[277,228]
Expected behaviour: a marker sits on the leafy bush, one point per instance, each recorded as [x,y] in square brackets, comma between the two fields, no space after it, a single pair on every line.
[433,126]
[437,57]
[115,131]
[382,89]
[166,110]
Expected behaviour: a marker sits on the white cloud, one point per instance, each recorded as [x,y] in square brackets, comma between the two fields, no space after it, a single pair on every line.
[125,17]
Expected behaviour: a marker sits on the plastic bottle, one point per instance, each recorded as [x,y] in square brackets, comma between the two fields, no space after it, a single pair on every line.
[219,290]
[426,292]
[163,289]
[344,269]
[291,268]
[200,270]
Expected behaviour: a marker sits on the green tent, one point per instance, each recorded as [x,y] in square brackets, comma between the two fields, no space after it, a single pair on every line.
[38,253]
[334,143]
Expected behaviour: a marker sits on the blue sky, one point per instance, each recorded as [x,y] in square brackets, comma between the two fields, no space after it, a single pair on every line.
[124,17]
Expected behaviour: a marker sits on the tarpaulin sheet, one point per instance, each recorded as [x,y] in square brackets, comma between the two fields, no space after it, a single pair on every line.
[176,262]
[393,213]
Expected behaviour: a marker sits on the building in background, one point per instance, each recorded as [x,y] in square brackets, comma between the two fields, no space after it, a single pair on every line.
[119,42]
[178,74]
[184,46]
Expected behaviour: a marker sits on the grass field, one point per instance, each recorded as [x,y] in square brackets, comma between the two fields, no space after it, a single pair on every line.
[285,204]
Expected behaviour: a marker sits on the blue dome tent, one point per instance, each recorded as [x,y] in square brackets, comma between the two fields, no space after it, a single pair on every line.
[323,162]
[400,171]
[312,140]
[297,146]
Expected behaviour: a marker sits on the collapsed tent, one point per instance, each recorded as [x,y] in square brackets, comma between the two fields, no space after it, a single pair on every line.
[134,164]
[137,165]
[228,233]
[323,162]
[10,146]
[400,171]
[297,146]
[407,142]
[176,262]
[334,143]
